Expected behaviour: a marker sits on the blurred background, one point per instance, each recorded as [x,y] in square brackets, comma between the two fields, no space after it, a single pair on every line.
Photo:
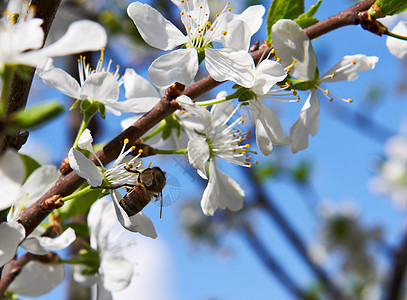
[328,218]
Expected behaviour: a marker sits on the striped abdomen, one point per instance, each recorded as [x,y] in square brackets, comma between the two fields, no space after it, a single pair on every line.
[135,199]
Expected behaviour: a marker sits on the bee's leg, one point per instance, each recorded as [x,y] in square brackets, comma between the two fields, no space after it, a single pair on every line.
[116,186]
[132,171]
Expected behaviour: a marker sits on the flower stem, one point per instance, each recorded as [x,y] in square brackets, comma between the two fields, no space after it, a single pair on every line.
[397,36]
[78,193]
[7,72]
[155,132]
[164,151]
[219,100]
[85,121]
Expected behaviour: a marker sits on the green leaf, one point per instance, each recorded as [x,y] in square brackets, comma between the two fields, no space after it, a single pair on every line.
[30,164]
[81,228]
[283,9]
[382,8]
[306,22]
[35,116]
[79,205]
[311,11]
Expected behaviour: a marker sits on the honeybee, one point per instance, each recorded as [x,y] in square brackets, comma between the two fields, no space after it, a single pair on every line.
[150,183]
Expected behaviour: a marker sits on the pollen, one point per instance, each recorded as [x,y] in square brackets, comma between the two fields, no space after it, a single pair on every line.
[242,119]
[350,100]
[132,148]
[278,59]
[327,91]
[332,75]
[224,32]
[354,62]
[182,13]
[140,151]
[229,9]
[126,141]
[247,146]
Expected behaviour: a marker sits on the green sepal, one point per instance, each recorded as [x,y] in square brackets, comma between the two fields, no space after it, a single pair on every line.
[89,257]
[30,164]
[80,204]
[75,104]
[236,86]
[34,116]
[102,110]
[246,95]
[81,228]
[171,122]
[9,295]
[303,85]
[25,72]
[201,55]
[283,9]
[86,104]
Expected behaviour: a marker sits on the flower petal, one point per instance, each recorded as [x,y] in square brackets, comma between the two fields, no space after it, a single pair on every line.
[291,43]
[198,153]
[137,86]
[238,33]
[307,123]
[231,196]
[268,73]
[81,36]
[137,223]
[85,140]
[398,47]
[138,105]
[11,235]
[348,68]
[12,172]
[100,86]
[226,64]
[157,31]
[116,271]
[27,35]
[36,279]
[253,16]
[85,168]
[60,242]
[177,66]
[60,80]
[191,107]
[40,181]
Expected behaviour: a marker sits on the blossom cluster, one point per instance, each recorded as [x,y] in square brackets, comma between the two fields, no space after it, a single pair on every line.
[207,131]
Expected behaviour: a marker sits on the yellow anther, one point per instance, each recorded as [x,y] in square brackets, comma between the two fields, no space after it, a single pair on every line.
[354,62]
[242,119]
[182,13]
[332,75]
[249,157]
[327,91]
[228,3]
[247,145]
[126,141]
[240,139]
[210,28]
[229,9]
[201,7]
[224,32]
[273,51]
[278,59]
[140,151]
[248,132]
[250,165]
[132,148]
[149,164]
[217,15]
[256,162]
[350,100]
[239,105]
[331,99]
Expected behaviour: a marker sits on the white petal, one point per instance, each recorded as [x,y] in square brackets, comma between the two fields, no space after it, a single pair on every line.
[96,221]
[137,223]
[291,43]
[268,73]
[40,181]
[238,33]
[157,31]
[60,242]
[307,123]
[137,86]
[190,106]
[11,235]
[60,80]
[36,279]
[198,153]
[226,64]
[12,173]
[253,16]
[349,66]
[177,66]
[81,36]
[116,271]
[85,168]
[221,191]
[221,112]
[138,105]
[398,47]
[100,86]
[27,35]
[85,140]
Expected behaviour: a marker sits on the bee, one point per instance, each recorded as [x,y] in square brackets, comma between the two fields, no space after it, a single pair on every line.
[150,183]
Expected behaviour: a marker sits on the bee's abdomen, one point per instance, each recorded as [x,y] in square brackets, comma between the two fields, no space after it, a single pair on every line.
[135,200]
